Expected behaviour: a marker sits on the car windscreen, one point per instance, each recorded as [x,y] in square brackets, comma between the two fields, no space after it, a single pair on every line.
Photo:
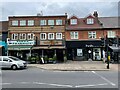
[14,58]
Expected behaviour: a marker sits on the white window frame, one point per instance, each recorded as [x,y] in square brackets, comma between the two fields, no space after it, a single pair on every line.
[43,22]
[51,22]
[90,21]
[31,35]
[15,23]
[59,22]
[14,36]
[30,22]
[92,34]
[49,37]
[21,36]
[22,22]
[73,21]
[58,35]
[74,35]
[43,38]
[111,34]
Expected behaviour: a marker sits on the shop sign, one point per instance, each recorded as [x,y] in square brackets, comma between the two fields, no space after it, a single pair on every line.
[79,52]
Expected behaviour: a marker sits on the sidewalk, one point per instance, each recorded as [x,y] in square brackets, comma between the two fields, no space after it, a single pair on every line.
[77,66]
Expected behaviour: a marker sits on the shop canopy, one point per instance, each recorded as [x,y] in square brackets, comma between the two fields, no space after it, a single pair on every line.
[19,47]
[114,49]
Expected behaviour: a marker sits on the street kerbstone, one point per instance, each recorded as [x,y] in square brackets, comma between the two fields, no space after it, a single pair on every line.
[77,66]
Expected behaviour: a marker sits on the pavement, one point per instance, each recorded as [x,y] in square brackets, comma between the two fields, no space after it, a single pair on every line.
[77,66]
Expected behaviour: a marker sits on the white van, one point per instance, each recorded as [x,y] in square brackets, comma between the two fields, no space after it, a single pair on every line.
[12,62]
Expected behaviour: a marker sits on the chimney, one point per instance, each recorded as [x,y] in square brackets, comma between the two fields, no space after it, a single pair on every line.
[95,14]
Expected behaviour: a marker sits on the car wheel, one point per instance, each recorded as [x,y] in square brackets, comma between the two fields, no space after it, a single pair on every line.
[14,67]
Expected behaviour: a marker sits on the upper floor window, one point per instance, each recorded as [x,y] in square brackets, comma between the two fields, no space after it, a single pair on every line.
[42,22]
[111,34]
[30,36]
[73,21]
[43,36]
[50,36]
[74,35]
[58,22]
[50,22]
[90,21]
[92,34]
[14,36]
[22,36]
[30,22]
[58,35]
[15,23]
[22,22]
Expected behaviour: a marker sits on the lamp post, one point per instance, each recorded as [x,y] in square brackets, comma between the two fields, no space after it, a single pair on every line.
[107,52]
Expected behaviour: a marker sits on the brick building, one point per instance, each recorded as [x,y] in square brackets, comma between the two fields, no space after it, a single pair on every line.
[83,36]
[43,35]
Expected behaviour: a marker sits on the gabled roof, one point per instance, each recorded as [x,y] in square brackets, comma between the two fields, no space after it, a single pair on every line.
[109,22]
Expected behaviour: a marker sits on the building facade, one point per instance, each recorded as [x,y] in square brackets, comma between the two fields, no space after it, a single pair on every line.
[84,37]
[43,35]
[3,37]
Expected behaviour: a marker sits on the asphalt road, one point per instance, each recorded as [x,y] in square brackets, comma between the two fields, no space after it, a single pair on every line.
[38,78]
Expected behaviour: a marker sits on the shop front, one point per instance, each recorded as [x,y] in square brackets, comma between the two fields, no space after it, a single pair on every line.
[84,50]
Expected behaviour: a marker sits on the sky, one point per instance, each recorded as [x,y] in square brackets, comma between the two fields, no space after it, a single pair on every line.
[80,8]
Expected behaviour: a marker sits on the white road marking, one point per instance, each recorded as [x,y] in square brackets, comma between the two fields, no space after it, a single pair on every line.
[91,85]
[104,78]
[53,84]
[24,82]
[6,83]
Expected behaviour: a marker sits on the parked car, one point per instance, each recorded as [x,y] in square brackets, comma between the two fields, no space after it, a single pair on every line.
[12,62]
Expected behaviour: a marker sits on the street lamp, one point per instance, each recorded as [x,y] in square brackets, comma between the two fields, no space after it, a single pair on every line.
[107,52]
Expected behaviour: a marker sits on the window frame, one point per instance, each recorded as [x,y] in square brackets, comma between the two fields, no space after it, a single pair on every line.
[44,37]
[14,22]
[90,21]
[31,38]
[43,22]
[57,35]
[73,35]
[30,22]
[15,35]
[73,21]
[92,34]
[111,34]
[21,35]
[49,22]
[59,22]
[49,36]
[22,22]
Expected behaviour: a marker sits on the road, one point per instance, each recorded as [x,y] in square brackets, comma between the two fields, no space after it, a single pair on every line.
[38,78]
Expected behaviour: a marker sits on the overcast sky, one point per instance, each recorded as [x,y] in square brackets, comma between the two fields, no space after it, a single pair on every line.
[105,8]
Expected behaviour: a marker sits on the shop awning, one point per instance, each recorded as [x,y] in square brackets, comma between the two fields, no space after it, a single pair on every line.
[115,49]
[19,47]
[49,47]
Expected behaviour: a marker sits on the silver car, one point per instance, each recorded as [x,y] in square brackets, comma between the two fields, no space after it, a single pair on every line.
[12,62]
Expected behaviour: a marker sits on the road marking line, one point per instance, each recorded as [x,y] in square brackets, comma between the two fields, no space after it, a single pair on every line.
[52,84]
[104,78]
[6,83]
[25,82]
[91,85]
[60,85]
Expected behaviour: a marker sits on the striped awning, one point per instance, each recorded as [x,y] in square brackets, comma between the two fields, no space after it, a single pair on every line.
[19,47]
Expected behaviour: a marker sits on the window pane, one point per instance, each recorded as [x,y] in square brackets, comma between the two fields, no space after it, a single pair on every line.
[73,21]
[30,22]
[91,35]
[58,22]
[22,22]
[15,23]
[58,35]
[42,22]
[50,35]
[50,22]
[74,35]
[30,36]
[43,36]
[90,21]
